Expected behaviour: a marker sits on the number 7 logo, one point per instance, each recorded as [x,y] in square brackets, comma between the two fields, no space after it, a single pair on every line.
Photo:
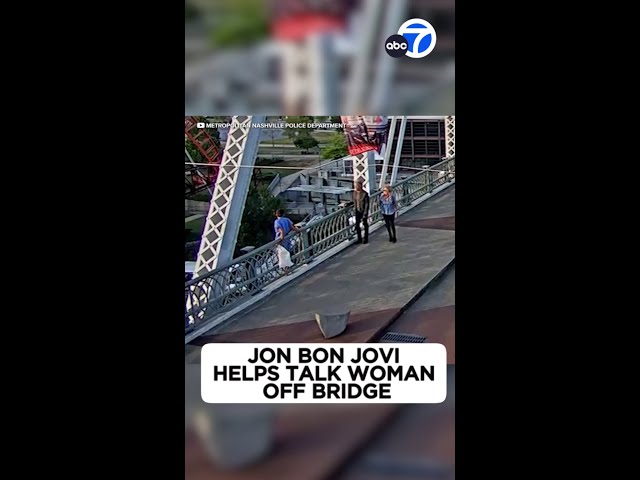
[420,35]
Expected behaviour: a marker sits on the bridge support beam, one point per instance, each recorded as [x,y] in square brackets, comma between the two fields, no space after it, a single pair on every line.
[367,50]
[323,75]
[396,161]
[385,66]
[364,169]
[229,195]
[450,135]
[387,152]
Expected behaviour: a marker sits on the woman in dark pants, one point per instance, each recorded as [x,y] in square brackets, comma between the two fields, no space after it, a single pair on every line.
[389,208]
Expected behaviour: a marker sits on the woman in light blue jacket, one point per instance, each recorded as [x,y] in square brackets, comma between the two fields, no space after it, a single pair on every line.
[389,208]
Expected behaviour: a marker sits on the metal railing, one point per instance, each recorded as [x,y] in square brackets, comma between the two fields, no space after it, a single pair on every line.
[225,287]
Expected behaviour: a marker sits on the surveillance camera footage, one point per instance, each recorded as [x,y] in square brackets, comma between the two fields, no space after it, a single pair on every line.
[319,230]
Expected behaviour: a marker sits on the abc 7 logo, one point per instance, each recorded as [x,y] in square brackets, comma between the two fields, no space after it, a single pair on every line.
[396,46]
[419,41]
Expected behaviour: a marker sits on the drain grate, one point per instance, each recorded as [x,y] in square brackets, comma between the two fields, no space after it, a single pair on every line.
[391,337]
[407,467]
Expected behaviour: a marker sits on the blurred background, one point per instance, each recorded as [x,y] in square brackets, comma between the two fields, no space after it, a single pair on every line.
[314,57]
[305,442]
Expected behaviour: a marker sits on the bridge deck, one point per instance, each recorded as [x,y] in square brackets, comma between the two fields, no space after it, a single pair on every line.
[376,282]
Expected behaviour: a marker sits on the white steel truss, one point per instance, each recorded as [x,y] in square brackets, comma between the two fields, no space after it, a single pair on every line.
[229,195]
[450,135]
[387,152]
[310,77]
[396,161]
[364,170]
[295,57]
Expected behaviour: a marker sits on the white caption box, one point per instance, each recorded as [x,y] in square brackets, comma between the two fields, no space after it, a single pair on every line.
[311,373]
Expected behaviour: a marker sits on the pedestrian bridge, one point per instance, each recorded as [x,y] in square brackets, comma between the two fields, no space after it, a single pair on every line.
[384,285]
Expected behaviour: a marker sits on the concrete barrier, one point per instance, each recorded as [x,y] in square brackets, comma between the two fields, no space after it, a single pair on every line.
[332,324]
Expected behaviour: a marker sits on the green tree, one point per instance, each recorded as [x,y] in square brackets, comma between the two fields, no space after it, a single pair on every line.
[305,141]
[293,132]
[215,135]
[239,23]
[193,151]
[256,227]
[337,119]
[218,119]
[190,11]
[336,148]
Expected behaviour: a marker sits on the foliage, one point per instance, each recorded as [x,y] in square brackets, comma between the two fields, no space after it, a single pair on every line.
[193,150]
[193,229]
[256,227]
[190,248]
[337,147]
[337,119]
[240,23]
[190,11]
[294,132]
[305,141]
[195,154]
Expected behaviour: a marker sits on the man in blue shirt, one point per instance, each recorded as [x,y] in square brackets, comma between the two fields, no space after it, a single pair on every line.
[282,226]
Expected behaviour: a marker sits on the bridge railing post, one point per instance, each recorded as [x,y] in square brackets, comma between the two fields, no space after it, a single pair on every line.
[307,247]
[374,208]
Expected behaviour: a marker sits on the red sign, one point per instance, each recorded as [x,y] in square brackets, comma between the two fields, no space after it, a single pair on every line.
[297,19]
[365,133]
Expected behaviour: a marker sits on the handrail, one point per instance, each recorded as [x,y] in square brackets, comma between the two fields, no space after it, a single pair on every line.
[227,285]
